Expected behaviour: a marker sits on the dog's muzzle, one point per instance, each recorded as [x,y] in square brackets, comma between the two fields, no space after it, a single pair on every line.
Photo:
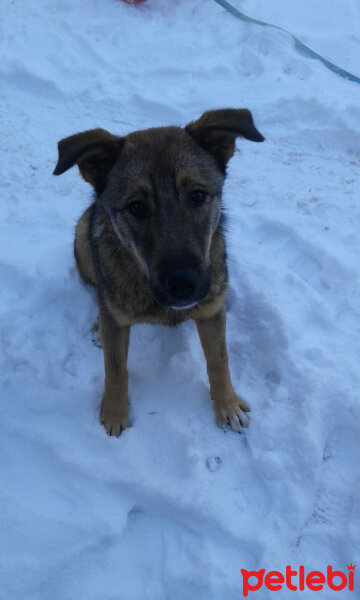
[180,287]
[180,284]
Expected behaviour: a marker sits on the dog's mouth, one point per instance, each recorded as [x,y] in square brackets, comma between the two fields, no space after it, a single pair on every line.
[179,285]
[183,297]
[183,307]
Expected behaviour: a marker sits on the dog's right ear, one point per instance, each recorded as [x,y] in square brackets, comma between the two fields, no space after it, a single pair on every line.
[94,151]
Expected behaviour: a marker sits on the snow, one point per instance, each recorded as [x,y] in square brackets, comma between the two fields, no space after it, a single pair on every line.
[175,507]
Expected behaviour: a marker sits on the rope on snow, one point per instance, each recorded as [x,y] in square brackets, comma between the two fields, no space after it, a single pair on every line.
[298,44]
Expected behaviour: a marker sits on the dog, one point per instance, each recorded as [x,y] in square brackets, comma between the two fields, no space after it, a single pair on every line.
[152,243]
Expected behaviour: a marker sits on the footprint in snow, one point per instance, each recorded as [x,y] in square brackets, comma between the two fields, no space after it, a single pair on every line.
[340,472]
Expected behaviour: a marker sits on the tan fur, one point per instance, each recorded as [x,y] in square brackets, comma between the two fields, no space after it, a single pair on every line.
[148,265]
[82,249]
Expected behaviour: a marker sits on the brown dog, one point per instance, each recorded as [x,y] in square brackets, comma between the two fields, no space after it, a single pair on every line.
[152,243]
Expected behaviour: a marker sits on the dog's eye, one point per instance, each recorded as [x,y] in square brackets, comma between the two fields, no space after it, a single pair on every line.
[137,209]
[198,197]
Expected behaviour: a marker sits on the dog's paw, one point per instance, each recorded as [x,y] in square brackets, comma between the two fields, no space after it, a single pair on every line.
[114,420]
[230,412]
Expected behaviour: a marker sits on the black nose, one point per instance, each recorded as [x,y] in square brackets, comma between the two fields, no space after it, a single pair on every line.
[180,284]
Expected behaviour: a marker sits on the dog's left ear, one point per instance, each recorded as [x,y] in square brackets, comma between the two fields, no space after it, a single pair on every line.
[94,151]
[217,130]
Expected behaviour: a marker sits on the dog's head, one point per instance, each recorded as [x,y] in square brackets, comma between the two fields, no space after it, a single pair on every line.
[162,190]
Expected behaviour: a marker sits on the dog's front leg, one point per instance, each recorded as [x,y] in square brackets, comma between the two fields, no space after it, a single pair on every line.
[115,342]
[229,408]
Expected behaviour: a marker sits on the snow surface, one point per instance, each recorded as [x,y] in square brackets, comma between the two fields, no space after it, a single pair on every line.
[175,507]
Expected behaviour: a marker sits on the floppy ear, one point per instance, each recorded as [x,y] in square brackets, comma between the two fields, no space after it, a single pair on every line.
[94,151]
[216,131]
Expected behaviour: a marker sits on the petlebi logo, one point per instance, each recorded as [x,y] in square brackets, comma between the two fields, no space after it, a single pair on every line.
[295,580]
